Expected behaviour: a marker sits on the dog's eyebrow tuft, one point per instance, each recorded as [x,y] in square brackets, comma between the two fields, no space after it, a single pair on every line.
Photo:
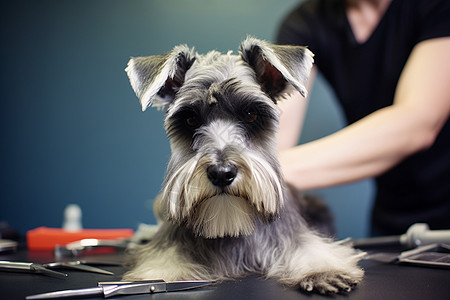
[214,93]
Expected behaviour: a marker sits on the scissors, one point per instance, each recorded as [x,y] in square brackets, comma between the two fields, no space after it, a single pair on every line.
[29,267]
[114,288]
[46,268]
[75,249]
[81,265]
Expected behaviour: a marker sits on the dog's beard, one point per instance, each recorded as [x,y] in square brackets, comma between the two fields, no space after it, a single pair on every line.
[223,215]
[189,197]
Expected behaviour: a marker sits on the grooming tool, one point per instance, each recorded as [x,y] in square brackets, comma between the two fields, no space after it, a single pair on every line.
[110,289]
[29,267]
[75,249]
[434,256]
[418,234]
[78,265]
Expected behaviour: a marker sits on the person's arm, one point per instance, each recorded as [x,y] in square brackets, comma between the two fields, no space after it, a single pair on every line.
[377,142]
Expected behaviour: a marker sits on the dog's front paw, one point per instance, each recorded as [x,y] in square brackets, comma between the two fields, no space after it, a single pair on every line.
[331,282]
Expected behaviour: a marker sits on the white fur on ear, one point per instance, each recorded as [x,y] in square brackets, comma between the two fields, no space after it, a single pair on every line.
[273,63]
[155,79]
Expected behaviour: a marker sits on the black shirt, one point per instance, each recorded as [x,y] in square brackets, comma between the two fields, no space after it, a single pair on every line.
[364,77]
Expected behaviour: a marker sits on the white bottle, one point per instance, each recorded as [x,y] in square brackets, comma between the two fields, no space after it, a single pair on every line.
[72,218]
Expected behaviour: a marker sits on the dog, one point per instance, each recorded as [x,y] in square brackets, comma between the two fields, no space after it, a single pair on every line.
[225,209]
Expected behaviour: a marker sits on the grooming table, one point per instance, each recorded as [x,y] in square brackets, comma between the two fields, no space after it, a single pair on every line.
[382,281]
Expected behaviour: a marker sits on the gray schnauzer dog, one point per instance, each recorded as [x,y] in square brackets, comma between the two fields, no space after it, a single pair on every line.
[225,209]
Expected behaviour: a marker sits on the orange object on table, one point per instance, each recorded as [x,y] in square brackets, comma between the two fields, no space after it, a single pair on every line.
[45,238]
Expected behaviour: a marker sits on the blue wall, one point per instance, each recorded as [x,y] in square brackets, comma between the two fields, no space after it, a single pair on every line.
[71,129]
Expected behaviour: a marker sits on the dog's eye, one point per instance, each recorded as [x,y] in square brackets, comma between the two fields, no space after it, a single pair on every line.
[192,121]
[250,117]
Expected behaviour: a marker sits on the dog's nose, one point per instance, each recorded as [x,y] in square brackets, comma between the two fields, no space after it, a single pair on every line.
[221,175]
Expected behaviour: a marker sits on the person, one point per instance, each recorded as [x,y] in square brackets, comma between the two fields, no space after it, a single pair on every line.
[388,62]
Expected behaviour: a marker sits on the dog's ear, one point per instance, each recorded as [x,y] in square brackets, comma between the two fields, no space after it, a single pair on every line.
[278,68]
[156,79]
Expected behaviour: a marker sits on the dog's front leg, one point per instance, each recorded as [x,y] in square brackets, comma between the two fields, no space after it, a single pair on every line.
[166,257]
[318,265]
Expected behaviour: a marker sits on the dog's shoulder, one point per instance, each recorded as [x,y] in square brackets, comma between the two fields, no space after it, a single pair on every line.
[313,209]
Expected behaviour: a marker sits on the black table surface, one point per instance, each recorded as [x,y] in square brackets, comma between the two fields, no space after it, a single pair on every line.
[382,281]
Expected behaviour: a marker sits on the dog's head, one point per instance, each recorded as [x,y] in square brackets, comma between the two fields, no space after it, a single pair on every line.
[221,119]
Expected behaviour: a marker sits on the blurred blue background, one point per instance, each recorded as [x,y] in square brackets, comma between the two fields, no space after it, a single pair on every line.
[71,127]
